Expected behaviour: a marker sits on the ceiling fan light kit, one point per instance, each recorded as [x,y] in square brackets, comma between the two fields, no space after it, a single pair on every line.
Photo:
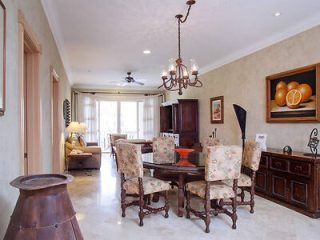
[179,76]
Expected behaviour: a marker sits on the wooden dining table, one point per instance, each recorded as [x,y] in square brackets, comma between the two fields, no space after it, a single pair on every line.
[181,173]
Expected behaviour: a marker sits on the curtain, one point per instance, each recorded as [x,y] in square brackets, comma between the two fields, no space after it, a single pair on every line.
[87,113]
[151,117]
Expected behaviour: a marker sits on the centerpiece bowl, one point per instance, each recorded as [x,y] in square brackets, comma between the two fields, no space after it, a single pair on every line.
[183,161]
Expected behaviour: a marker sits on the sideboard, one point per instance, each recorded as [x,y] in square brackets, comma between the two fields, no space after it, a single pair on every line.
[292,180]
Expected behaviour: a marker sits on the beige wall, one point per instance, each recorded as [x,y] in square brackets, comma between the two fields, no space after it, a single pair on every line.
[243,82]
[9,131]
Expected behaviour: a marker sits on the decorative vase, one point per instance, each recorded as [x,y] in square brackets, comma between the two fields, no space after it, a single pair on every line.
[184,161]
[43,210]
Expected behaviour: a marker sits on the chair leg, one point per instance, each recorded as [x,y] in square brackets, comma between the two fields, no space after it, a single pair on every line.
[252,199]
[123,202]
[242,194]
[207,214]
[166,205]
[141,214]
[188,204]
[234,212]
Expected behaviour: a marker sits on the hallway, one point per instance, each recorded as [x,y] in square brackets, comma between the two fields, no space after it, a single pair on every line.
[96,199]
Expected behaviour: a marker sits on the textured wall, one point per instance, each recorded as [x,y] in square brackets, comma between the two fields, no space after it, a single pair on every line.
[9,131]
[243,82]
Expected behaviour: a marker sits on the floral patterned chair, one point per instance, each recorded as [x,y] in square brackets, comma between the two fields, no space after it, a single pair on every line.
[250,164]
[163,149]
[113,139]
[221,163]
[209,141]
[134,183]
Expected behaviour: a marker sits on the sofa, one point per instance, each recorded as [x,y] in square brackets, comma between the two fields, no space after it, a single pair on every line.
[78,145]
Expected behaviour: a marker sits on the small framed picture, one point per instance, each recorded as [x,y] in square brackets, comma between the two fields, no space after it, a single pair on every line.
[216,109]
[261,138]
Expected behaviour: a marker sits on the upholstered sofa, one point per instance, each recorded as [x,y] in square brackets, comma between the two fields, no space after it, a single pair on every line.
[80,145]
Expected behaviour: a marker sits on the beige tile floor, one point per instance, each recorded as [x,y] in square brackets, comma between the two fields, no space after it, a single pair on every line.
[95,196]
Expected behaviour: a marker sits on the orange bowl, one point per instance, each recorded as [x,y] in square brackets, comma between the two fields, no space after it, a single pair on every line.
[184,152]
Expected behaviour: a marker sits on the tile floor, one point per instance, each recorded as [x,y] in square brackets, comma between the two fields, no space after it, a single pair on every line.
[95,196]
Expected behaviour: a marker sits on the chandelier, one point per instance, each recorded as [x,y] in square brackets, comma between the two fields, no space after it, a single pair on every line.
[179,76]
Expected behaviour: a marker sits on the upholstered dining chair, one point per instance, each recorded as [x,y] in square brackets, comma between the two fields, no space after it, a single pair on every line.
[113,139]
[134,183]
[221,163]
[209,141]
[250,164]
[163,149]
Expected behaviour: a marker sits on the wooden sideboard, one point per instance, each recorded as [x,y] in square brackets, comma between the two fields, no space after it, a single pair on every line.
[181,118]
[292,180]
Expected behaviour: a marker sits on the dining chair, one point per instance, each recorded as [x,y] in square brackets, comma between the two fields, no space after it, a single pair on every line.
[221,163]
[250,164]
[209,141]
[113,139]
[163,150]
[134,183]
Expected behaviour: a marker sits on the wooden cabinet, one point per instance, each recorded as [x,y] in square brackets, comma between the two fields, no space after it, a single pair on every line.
[181,117]
[291,180]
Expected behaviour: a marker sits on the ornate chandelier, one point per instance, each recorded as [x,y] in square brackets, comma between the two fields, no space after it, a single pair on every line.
[179,77]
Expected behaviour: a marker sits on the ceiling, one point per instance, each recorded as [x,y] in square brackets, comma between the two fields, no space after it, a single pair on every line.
[100,40]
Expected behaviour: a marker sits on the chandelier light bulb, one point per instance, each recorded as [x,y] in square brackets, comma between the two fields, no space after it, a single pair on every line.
[194,67]
[164,74]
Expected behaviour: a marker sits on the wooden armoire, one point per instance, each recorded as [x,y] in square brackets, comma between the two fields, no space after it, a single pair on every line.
[180,119]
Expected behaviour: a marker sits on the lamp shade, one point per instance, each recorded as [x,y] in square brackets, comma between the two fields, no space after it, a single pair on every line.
[83,127]
[74,127]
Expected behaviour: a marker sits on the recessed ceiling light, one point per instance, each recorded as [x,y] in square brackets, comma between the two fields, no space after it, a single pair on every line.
[277,14]
[146,51]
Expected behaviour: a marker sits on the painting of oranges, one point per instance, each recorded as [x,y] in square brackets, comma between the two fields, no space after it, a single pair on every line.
[292,95]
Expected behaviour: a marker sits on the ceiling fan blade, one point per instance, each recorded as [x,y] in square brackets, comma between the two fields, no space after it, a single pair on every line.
[139,83]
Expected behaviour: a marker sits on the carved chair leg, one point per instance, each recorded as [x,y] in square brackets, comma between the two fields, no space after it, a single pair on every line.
[141,202]
[221,203]
[123,202]
[166,204]
[242,194]
[188,204]
[234,212]
[207,214]
[252,199]
[214,205]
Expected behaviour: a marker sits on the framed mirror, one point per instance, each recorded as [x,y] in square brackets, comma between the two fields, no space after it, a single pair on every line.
[2,58]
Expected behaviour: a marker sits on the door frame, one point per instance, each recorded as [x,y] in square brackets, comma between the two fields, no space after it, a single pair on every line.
[55,121]
[29,43]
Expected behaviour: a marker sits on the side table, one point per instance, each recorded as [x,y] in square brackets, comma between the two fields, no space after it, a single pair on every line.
[76,157]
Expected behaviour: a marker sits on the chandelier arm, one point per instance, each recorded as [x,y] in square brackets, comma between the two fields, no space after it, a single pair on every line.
[187,15]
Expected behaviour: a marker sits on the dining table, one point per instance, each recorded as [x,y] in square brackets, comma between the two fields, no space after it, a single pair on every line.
[193,168]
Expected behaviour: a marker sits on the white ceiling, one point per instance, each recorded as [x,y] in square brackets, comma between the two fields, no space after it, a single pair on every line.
[100,40]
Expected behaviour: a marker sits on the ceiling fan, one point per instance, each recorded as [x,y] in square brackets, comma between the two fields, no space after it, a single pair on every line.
[130,79]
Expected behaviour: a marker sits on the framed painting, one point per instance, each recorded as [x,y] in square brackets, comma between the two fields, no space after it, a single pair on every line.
[216,109]
[2,58]
[294,96]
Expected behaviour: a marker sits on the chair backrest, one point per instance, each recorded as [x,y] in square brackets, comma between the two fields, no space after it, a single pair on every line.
[115,137]
[163,150]
[222,162]
[208,141]
[251,155]
[129,159]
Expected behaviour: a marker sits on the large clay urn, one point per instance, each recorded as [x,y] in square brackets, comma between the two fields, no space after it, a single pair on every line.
[44,210]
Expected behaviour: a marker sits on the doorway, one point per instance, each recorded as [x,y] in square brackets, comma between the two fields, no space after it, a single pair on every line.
[30,126]
[55,126]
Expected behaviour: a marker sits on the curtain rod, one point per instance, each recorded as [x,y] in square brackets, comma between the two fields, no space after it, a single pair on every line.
[118,92]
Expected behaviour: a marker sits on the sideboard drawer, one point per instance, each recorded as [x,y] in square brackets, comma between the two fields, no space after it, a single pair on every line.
[300,168]
[279,164]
